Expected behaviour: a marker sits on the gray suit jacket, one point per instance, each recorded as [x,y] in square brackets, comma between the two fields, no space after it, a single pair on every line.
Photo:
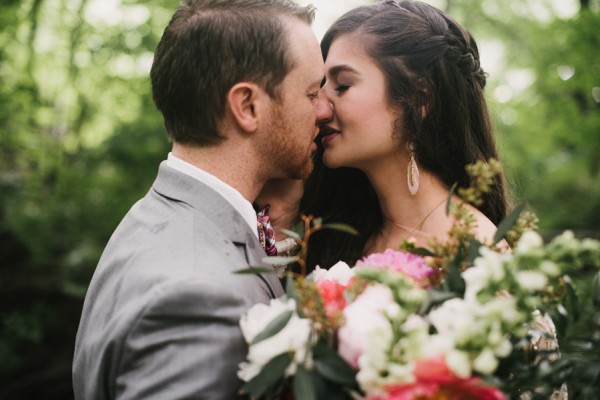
[161,315]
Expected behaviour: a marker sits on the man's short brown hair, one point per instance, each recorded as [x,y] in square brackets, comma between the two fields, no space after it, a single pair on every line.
[210,45]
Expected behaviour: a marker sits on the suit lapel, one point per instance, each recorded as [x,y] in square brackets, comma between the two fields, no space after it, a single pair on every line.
[181,187]
[256,254]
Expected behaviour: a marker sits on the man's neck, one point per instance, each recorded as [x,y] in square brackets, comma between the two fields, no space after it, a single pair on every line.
[230,163]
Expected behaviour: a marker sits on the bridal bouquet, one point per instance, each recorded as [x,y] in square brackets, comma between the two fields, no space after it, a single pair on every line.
[461,320]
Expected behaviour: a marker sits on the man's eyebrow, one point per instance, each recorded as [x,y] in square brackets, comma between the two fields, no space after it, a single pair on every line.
[318,82]
[335,70]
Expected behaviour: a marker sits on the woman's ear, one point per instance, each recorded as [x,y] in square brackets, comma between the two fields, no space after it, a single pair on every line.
[242,101]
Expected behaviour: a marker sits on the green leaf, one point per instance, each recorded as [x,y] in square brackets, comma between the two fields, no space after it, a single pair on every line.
[291,234]
[341,228]
[422,251]
[279,260]
[268,377]
[290,289]
[508,222]
[304,385]
[572,301]
[450,194]
[299,229]
[454,280]
[596,290]
[474,246]
[255,270]
[276,325]
[337,370]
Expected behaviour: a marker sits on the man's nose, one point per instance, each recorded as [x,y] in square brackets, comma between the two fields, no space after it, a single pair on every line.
[324,109]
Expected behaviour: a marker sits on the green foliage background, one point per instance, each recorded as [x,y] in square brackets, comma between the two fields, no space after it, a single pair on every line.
[80,142]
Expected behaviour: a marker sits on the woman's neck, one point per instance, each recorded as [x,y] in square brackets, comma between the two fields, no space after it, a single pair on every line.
[420,216]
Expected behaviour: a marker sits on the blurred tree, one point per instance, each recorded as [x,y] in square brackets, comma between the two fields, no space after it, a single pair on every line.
[544,92]
[80,143]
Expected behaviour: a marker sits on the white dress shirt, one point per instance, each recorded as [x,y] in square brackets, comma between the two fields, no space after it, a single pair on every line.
[235,198]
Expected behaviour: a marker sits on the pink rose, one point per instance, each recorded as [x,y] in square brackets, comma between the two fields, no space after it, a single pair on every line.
[412,265]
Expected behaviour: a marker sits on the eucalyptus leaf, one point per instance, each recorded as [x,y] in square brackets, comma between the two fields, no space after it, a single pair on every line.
[341,228]
[422,251]
[290,288]
[473,253]
[507,223]
[337,370]
[304,385]
[254,270]
[291,234]
[450,194]
[454,280]
[299,229]
[279,260]
[274,327]
[268,377]
[572,302]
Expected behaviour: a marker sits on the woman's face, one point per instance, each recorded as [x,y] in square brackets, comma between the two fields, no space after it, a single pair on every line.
[360,132]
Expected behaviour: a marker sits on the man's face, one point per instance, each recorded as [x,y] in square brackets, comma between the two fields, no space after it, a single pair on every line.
[293,123]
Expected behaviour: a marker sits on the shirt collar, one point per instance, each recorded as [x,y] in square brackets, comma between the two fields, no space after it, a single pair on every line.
[235,198]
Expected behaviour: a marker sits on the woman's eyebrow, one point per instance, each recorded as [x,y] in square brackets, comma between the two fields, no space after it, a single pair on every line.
[335,70]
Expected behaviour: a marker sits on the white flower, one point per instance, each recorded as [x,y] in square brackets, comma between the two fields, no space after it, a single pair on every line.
[438,345]
[504,348]
[488,267]
[340,273]
[457,319]
[260,315]
[393,310]
[486,362]
[364,317]
[458,362]
[502,308]
[293,338]
[529,241]
[531,280]
[549,268]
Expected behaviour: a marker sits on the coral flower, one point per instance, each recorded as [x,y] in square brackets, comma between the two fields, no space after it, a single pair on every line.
[332,295]
[435,381]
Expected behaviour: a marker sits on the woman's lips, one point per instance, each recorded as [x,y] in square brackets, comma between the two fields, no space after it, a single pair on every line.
[328,138]
[328,134]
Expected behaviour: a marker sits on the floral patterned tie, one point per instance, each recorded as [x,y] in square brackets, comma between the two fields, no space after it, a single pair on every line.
[266,235]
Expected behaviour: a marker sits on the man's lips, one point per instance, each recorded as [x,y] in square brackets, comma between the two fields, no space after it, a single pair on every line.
[328,134]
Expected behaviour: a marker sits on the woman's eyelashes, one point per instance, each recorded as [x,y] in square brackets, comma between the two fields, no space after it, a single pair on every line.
[341,88]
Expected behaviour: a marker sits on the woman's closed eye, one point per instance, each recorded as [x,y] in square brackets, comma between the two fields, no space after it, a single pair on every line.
[341,88]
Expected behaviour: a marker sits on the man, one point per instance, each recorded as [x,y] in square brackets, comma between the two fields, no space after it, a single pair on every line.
[237,82]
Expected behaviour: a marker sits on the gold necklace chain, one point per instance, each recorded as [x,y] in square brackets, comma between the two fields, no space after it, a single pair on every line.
[421,221]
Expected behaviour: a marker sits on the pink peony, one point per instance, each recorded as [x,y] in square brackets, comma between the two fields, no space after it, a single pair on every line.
[362,317]
[412,265]
[434,380]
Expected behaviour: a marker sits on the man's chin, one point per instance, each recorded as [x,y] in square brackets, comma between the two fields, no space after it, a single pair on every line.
[302,172]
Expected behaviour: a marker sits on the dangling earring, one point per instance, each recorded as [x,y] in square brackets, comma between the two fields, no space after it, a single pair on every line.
[412,173]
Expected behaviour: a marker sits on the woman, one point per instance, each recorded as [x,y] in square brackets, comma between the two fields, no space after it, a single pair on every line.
[409,114]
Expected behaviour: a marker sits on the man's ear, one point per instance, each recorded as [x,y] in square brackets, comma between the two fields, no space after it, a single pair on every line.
[245,104]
